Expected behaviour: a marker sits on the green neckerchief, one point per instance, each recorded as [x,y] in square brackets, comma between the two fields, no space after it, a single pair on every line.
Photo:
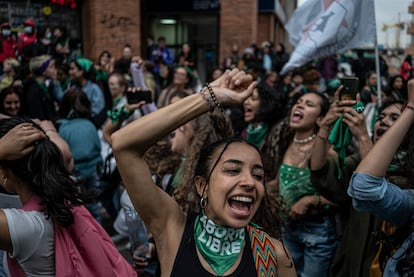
[256,135]
[219,245]
[373,90]
[65,84]
[44,89]
[117,114]
[340,137]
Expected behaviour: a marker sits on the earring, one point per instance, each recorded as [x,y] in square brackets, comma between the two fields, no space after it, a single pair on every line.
[203,202]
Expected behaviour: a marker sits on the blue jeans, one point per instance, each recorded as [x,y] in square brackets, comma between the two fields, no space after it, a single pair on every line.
[312,244]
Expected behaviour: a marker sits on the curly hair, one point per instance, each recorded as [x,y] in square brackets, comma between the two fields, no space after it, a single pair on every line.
[43,170]
[208,128]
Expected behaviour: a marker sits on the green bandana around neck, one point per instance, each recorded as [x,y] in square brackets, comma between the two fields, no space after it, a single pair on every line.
[341,136]
[219,245]
[256,135]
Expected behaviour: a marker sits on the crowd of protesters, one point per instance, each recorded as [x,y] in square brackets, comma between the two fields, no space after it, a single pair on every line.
[310,143]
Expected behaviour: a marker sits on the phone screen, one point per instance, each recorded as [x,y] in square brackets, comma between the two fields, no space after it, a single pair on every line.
[138,96]
[350,89]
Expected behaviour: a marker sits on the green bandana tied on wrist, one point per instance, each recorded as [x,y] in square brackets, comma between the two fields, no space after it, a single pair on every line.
[219,245]
[341,136]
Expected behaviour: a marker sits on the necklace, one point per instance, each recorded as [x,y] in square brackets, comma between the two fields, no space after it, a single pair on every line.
[306,140]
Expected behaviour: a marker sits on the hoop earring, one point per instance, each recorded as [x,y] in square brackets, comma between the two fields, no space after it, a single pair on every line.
[203,202]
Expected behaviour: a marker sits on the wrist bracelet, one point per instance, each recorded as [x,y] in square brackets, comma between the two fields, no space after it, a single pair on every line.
[410,107]
[207,99]
[214,98]
[321,137]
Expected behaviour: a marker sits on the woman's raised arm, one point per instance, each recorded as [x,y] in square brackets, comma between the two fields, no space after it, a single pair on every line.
[158,210]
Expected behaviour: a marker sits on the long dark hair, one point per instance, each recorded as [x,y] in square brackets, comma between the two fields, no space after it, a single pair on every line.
[75,104]
[43,170]
[271,108]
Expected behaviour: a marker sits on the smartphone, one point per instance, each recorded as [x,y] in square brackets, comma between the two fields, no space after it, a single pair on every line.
[140,95]
[350,89]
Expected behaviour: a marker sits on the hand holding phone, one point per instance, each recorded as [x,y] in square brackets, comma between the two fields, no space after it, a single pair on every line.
[135,96]
[350,88]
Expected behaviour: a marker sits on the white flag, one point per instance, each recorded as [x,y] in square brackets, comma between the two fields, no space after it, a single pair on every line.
[320,28]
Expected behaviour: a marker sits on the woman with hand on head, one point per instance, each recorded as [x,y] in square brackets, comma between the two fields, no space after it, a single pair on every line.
[372,192]
[32,167]
[228,182]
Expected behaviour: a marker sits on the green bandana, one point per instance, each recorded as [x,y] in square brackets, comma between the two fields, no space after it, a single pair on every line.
[256,135]
[117,114]
[44,89]
[220,246]
[340,137]
[85,64]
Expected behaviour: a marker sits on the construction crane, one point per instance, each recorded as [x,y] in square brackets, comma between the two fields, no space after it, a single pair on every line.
[398,26]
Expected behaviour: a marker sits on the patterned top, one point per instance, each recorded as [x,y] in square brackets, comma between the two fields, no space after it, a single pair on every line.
[294,183]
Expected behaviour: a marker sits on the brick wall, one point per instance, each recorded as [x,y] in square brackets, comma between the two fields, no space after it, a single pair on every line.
[265,28]
[240,20]
[109,25]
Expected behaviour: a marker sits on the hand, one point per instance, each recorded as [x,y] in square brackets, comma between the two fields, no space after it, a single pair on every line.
[137,59]
[336,109]
[233,87]
[141,262]
[356,123]
[46,125]
[300,208]
[18,142]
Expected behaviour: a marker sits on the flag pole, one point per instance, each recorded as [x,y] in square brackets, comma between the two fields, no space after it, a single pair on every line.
[377,69]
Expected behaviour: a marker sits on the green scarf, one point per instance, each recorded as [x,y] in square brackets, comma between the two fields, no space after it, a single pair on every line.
[44,89]
[219,245]
[341,136]
[257,135]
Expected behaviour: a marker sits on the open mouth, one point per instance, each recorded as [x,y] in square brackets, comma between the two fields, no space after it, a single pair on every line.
[380,132]
[297,116]
[241,204]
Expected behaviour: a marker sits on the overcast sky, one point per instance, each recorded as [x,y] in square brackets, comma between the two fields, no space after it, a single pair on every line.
[386,12]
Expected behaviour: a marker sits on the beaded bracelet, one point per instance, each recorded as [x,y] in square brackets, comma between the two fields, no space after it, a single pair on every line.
[214,98]
[207,99]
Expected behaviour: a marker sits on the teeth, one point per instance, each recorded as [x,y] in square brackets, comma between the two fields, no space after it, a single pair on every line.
[297,113]
[242,199]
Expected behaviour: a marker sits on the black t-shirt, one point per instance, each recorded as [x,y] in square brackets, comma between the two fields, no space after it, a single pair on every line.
[187,263]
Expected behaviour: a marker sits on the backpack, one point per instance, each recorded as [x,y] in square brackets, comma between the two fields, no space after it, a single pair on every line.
[82,249]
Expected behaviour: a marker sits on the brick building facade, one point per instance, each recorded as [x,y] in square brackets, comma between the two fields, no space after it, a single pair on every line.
[109,24]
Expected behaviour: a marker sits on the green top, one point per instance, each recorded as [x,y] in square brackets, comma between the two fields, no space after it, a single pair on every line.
[294,183]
